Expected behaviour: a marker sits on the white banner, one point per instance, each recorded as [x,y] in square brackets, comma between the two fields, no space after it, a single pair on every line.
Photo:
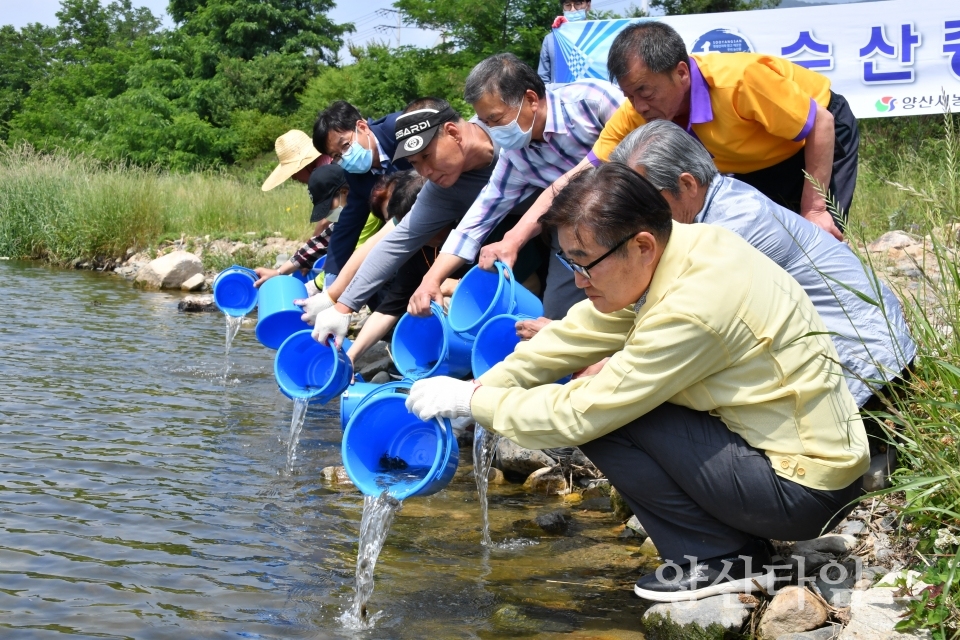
[888,58]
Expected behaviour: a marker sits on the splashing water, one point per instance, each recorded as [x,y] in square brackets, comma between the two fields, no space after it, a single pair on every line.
[378,513]
[484,446]
[296,426]
[233,326]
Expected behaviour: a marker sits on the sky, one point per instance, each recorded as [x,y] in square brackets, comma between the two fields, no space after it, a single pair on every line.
[372,22]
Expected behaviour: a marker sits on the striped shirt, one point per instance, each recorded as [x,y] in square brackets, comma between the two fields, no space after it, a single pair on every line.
[311,251]
[576,114]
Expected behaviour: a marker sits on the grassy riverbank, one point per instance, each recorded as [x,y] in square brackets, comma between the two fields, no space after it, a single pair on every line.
[61,207]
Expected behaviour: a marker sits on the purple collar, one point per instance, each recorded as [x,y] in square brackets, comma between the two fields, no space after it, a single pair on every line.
[701,109]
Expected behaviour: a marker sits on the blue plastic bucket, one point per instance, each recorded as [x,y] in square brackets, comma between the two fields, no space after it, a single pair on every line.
[278,317]
[360,392]
[304,368]
[382,436]
[495,341]
[482,295]
[233,291]
[425,347]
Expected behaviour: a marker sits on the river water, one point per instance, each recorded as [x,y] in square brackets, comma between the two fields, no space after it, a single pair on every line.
[142,496]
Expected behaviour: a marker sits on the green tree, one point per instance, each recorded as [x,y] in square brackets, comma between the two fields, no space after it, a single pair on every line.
[383,80]
[25,55]
[249,28]
[481,28]
[681,7]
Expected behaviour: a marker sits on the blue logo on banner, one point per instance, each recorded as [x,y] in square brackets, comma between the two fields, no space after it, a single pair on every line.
[721,41]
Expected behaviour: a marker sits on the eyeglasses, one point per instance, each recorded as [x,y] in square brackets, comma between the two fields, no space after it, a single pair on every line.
[584,270]
[577,4]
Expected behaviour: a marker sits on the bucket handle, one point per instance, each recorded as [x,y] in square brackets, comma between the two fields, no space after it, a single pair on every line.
[505,270]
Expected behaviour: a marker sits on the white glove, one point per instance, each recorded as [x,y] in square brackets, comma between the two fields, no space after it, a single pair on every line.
[442,397]
[331,323]
[313,305]
[312,288]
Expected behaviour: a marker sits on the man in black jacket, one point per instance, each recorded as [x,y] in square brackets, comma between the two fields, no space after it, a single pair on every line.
[364,148]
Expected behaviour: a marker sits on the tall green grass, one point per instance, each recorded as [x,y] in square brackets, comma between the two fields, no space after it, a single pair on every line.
[64,207]
[923,417]
[914,153]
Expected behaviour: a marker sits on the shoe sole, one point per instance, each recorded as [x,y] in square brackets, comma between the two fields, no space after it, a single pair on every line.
[766,581]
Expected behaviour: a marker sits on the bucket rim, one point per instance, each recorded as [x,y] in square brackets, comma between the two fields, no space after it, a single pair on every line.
[440,460]
[510,281]
[321,393]
[437,311]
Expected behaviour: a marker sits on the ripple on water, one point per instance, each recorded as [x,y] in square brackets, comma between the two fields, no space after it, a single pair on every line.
[141,499]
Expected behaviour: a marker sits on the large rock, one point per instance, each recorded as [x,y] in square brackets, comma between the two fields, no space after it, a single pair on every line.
[546,481]
[792,610]
[512,458]
[556,522]
[170,271]
[873,615]
[698,619]
[891,240]
[193,283]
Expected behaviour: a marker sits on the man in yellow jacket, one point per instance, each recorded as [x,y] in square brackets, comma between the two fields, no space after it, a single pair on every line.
[722,415]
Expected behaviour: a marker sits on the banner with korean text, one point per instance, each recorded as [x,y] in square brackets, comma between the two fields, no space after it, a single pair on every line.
[890,58]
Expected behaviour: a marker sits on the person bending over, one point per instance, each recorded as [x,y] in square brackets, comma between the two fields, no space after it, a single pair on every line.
[722,415]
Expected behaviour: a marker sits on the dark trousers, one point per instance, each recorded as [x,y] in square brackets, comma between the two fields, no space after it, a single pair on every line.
[700,490]
[783,182]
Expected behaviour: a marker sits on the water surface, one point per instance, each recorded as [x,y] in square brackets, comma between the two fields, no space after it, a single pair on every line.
[142,496]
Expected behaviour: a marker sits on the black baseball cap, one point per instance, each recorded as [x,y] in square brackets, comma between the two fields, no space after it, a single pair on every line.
[324,184]
[416,129]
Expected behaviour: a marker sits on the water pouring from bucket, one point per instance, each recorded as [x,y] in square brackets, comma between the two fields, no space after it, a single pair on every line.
[233,291]
[387,448]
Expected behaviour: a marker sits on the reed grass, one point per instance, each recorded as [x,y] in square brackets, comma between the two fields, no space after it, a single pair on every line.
[62,207]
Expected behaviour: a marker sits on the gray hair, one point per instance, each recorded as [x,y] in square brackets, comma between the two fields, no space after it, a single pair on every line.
[664,150]
[504,75]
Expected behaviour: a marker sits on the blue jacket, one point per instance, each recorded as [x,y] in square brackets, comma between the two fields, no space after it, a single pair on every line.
[347,230]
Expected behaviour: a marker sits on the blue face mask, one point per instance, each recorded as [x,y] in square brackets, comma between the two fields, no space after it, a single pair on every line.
[511,136]
[357,159]
[575,16]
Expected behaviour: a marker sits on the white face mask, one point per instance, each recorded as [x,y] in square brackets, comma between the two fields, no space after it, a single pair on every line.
[511,136]
[334,214]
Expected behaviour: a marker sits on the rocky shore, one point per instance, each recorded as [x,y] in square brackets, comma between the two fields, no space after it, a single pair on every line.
[850,584]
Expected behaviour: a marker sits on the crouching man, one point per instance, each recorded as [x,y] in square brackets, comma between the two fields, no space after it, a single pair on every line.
[722,415]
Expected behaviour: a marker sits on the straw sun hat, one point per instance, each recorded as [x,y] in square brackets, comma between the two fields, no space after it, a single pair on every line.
[295,151]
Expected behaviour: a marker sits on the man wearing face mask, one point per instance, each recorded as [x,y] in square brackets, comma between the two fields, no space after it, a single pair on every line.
[365,149]
[544,133]
[457,157]
[573,11]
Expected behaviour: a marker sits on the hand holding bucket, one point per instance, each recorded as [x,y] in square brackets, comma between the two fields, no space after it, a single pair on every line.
[481,295]
[425,347]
